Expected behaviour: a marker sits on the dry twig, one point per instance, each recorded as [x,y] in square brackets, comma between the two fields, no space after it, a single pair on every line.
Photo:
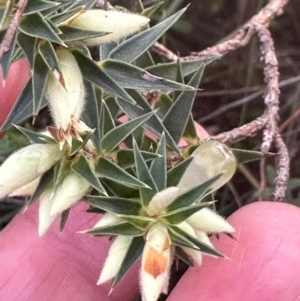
[12,28]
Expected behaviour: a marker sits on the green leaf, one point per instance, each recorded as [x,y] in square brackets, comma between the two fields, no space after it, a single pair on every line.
[123,228]
[110,170]
[133,254]
[144,175]
[140,222]
[169,70]
[132,77]
[88,4]
[158,166]
[145,60]
[154,124]
[48,53]
[83,168]
[202,246]
[4,13]
[135,46]
[180,215]
[114,137]
[192,195]
[125,157]
[175,174]
[46,180]
[92,72]
[78,145]
[177,117]
[39,83]
[244,156]
[28,45]
[108,122]
[153,9]
[6,59]
[179,252]
[63,219]
[65,14]
[163,104]
[92,112]
[35,25]
[114,204]
[74,34]
[34,136]
[34,6]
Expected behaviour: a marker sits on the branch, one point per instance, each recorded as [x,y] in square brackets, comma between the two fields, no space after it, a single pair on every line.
[12,28]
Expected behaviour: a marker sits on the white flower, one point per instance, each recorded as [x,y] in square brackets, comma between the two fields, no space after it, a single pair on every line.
[210,159]
[27,189]
[26,165]
[156,263]
[115,258]
[72,189]
[116,24]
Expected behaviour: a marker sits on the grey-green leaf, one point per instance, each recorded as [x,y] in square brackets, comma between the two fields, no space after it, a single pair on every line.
[244,156]
[114,204]
[28,45]
[133,253]
[132,77]
[35,25]
[92,72]
[114,137]
[123,228]
[83,168]
[47,52]
[175,174]
[191,196]
[135,46]
[177,117]
[112,171]
[34,6]
[73,34]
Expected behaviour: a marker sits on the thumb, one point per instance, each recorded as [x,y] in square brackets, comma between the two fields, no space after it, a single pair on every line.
[57,266]
[263,261]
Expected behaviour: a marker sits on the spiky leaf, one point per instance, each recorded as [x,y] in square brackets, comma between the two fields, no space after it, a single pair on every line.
[34,6]
[48,54]
[244,156]
[175,174]
[7,57]
[114,137]
[191,196]
[135,46]
[123,228]
[72,34]
[83,168]
[92,72]
[28,45]
[112,171]
[133,253]
[132,77]
[184,256]
[114,204]
[140,222]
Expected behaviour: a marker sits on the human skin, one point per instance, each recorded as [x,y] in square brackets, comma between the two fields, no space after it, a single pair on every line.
[262,263]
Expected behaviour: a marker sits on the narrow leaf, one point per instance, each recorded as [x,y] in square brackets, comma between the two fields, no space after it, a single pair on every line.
[114,137]
[180,215]
[175,174]
[78,145]
[201,245]
[123,228]
[114,204]
[177,117]
[83,168]
[6,59]
[39,83]
[34,6]
[92,72]
[132,77]
[135,46]
[125,157]
[63,219]
[134,252]
[36,26]
[192,195]
[28,45]
[108,122]
[244,156]
[47,52]
[110,170]
[145,176]
[73,34]
[179,252]
[154,124]
[158,167]
[140,222]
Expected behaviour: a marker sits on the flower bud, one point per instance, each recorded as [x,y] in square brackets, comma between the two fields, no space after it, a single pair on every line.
[117,24]
[108,219]
[65,90]
[210,159]
[156,263]
[208,221]
[26,165]
[161,200]
[27,189]
[45,219]
[72,189]
[115,258]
